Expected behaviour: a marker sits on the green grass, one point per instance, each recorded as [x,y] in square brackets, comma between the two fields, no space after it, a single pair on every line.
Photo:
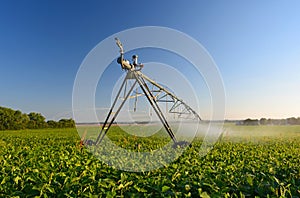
[50,163]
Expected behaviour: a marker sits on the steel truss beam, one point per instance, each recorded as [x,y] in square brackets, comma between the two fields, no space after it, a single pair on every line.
[178,107]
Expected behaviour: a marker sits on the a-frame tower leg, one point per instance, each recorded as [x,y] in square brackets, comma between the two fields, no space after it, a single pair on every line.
[107,124]
[138,79]
[155,106]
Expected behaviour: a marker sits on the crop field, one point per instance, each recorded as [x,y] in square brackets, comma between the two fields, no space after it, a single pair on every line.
[262,161]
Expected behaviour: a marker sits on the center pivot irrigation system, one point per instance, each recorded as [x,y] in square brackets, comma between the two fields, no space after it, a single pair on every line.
[157,94]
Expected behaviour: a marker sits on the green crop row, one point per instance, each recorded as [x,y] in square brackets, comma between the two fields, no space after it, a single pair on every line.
[50,163]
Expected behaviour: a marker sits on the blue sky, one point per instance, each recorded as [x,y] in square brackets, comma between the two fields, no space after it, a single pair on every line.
[255,44]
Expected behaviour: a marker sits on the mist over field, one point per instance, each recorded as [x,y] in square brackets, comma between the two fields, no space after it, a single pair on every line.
[261,134]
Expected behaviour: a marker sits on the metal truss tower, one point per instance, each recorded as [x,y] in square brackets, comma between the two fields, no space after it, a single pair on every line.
[155,95]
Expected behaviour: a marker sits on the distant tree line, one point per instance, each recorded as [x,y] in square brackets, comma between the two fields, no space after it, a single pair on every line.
[265,121]
[14,120]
